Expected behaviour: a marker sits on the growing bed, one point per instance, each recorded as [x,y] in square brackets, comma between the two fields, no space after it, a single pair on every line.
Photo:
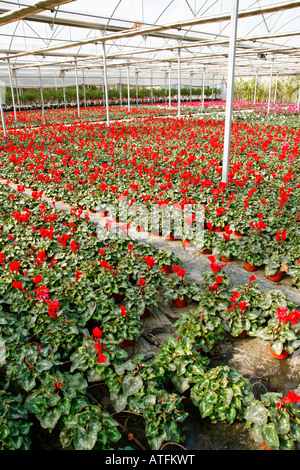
[86,305]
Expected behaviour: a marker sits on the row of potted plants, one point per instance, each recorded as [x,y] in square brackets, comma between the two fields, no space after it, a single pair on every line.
[157,163]
[62,326]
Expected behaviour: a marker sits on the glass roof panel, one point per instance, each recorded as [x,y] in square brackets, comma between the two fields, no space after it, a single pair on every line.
[53,39]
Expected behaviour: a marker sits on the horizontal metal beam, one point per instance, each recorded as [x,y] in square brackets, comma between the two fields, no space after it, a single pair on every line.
[71,22]
[11,16]
[144,31]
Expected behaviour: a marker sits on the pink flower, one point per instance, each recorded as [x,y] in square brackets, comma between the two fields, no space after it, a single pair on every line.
[282,314]
[53,306]
[42,294]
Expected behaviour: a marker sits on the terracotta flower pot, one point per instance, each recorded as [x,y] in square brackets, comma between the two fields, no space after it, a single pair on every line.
[186,243]
[140,228]
[283,355]
[126,342]
[276,277]
[170,238]
[154,234]
[265,446]
[103,213]
[146,313]
[243,334]
[166,269]
[179,302]
[217,229]
[206,251]
[250,267]
[237,233]
[227,260]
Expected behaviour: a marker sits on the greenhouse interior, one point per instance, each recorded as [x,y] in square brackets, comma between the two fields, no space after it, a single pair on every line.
[149,227]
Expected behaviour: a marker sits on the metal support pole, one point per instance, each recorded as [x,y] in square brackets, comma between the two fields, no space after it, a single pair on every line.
[83,84]
[230,84]
[203,85]
[120,87]
[42,96]
[170,86]
[275,92]
[136,88]
[270,86]
[298,104]
[179,85]
[151,78]
[191,78]
[255,88]
[12,91]
[128,89]
[64,89]
[166,86]
[17,90]
[77,90]
[105,84]
[2,116]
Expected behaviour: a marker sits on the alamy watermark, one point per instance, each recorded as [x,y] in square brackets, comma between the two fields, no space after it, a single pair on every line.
[140,221]
[2,352]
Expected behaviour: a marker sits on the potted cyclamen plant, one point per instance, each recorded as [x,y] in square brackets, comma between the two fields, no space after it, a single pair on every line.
[284,338]
[143,297]
[274,421]
[121,326]
[204,240]
[222,394]
[215,279]
[274,266]
[203,328]
[177,288]
[217,216]
[240,319]
[165,260]
[225,245]
[251,251]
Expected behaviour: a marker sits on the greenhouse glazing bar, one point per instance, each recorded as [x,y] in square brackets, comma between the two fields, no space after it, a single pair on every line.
[42,96]
[77,89]
[230,83]
[170,86]
[128,88]
[12,91]
[179,84]
[21,13]
[2,116]
[176,25]
[105,85]
[270,85]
